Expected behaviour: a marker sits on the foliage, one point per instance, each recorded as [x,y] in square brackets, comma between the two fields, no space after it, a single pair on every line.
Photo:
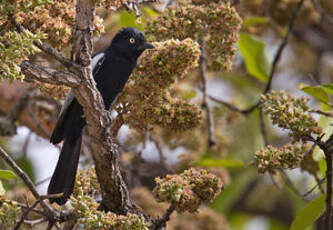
[146,99]
[291,113]
[14,48]
[86,208]
[217,24]
[270,159]
[188,190]
[9,212]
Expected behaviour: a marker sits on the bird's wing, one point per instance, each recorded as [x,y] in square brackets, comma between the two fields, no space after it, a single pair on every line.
[58,132]
[97,62]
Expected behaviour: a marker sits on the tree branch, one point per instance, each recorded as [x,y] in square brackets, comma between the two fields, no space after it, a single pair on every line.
[328,217]
[51,76]
[115,196]
[160,223]
[25,178]
[203,77]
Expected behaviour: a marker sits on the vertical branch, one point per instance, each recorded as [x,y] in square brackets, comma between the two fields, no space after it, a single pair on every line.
[328,217]
[210,118]
[262,127]
[115,195]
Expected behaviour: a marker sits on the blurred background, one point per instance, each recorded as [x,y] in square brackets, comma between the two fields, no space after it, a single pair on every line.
[250,200]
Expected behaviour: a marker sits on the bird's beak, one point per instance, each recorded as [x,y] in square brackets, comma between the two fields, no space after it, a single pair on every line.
[147,45]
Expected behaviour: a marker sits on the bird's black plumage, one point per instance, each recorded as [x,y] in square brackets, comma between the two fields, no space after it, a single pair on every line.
[111,70]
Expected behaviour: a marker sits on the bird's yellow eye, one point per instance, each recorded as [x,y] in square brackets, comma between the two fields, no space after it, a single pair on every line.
[132,40]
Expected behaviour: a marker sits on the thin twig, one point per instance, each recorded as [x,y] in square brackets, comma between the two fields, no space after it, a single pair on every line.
[25,178]
[327,114]
[162,158]
[328,217]
[160,223]
[21,104]
[290,184]
[262,127]
[320,182]
[25,214]
[210,118]
[43,46]
[35,119]
[35,222]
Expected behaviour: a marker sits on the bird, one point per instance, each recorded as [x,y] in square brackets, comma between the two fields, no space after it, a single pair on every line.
[111,70]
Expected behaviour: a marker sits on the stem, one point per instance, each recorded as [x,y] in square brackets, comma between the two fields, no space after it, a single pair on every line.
[328,217]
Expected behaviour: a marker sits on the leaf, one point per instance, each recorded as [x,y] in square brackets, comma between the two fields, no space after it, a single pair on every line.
[7,175]
[227,163]
[225,201]
[2,189]
[309,214]
[254,20]
[129,20]
[328,88]
[253,52]
[315,91]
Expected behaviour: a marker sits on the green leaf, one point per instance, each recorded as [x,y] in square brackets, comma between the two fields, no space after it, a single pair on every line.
[309,214]
[253,52]
[225,201]
[129,20]
[2,189]
[254,20]
[315,91]
[227,163]
[328,88]
[189,94]
[7,175]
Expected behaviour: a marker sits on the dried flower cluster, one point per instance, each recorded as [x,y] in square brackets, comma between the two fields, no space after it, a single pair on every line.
[9,212]
[291,113]
[271,158]
[85,207]
[54,17]
[146,100]
[14,48]
[188,190]
[214,22]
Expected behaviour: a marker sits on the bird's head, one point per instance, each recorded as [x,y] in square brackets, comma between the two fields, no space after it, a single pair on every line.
[131,42]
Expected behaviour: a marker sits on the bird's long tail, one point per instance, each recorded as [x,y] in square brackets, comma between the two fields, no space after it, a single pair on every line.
[63,177]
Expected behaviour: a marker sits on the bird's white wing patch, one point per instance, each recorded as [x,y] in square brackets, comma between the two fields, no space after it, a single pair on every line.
[70,97]
[96,59]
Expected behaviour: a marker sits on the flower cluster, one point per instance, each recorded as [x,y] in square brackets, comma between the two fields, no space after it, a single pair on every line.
[188,190]
[146,99]
[86,182]
[9,212]
[85,207]
[216,23]
[271,158]
[291,113]
[55,18]
[14,48]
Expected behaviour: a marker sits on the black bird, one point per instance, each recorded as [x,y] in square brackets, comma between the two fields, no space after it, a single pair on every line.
[111,70]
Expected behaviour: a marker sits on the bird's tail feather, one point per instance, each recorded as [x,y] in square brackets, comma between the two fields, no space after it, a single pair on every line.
[63,177]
